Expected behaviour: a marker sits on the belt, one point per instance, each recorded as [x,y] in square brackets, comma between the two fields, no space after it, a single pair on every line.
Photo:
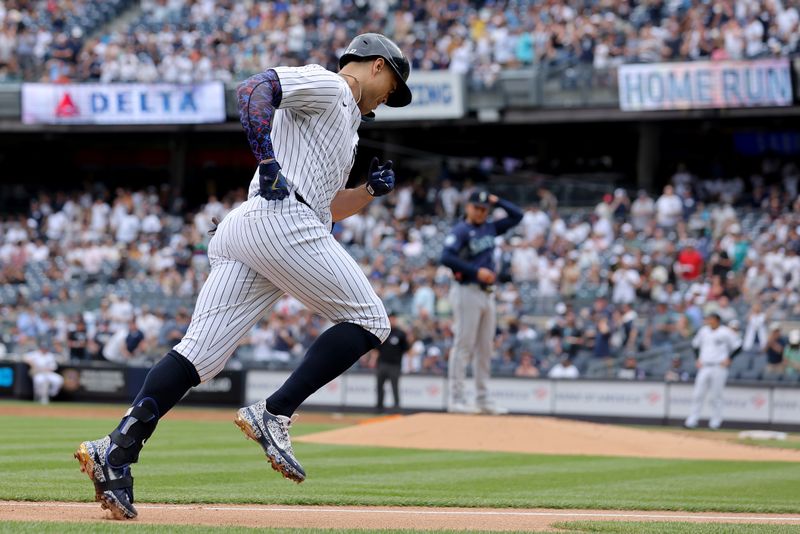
[300,199]
[484,287]
[297,195]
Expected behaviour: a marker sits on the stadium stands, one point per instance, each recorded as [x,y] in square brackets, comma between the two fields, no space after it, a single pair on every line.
[651,268]
[184,41]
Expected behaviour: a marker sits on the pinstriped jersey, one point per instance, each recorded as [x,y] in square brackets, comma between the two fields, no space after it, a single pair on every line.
[314,135]
[716,344]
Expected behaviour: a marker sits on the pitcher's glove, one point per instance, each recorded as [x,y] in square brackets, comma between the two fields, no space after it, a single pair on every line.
[272,184]
[380,179]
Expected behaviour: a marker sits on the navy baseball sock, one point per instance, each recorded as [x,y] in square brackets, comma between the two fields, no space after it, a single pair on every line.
[165,384]
[330,355]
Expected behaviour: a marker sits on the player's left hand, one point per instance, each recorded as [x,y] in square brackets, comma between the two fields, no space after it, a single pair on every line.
[493,199]
[272,182]
[380,179]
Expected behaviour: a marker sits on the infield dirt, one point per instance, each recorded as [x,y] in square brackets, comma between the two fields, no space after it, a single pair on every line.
[540,435]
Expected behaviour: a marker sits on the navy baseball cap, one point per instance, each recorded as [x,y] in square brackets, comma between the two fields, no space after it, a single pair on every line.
[480,198]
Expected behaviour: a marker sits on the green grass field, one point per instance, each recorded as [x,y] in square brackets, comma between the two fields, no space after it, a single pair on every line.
[211,462]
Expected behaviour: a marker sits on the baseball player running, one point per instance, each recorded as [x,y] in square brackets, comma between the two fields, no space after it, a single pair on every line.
[716,346]
[301,123]
[469,252]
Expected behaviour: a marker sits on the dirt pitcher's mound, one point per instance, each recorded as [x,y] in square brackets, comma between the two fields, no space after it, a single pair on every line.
[539,435]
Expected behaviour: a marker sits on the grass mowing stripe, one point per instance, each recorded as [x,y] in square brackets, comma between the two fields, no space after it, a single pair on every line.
[210,461]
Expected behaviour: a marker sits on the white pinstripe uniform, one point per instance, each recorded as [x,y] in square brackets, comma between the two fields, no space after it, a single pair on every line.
[265,248]
[716,345]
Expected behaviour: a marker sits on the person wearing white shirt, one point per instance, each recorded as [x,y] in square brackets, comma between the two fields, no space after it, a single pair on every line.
[450,198]
[100,216]
[549,277]
[564,369]
[534,223]
[716,345]
[56,225]
[756,328]
[128,229]
[626,280]
[642,210]
[524,262]
[669,208]
[46,382]
[404,205]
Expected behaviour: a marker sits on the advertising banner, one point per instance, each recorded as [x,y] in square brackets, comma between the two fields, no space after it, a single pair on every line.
[423,392]
[618,399]
[15,381]
[786,406]
[331,394]
[225,388]
[361,390]
[739,403]
[705,84]
[261,384]
[434,95]
[123,103]
[519,395]
[92,382]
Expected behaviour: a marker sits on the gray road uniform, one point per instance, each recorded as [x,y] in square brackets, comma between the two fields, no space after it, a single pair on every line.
[467,248]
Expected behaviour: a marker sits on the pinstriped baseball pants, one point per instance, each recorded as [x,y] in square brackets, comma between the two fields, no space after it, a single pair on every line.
[260,251]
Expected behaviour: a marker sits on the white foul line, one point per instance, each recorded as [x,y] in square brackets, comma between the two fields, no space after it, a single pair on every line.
[630,515]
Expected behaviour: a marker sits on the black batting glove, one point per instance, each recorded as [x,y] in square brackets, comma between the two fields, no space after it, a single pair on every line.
[272,184]
[380,179]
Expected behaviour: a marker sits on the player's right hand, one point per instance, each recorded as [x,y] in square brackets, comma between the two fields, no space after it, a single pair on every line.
[272,184]
[486,276]
[380,179]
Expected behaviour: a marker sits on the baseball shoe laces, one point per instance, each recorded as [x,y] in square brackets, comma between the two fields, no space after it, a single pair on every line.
[272,433]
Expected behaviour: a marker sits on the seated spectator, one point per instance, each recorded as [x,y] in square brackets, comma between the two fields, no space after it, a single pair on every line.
[46,382]
[675,373]
[125,344]
[526,367]
[629,369]
[433,364]
[506,366]
[564,369]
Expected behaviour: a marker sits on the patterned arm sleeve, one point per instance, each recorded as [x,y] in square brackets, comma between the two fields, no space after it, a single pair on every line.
[258,97]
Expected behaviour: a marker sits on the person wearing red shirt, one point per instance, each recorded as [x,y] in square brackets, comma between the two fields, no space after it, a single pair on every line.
[689,263]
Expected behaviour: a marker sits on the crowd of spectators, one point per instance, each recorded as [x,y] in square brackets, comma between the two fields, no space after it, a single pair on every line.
[198,40]
[102,276]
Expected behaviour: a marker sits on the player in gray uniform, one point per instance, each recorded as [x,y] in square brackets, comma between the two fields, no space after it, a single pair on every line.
[716,345]
[469,252]
[302,127]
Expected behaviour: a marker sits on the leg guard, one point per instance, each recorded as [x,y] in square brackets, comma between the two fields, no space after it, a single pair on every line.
[129,437]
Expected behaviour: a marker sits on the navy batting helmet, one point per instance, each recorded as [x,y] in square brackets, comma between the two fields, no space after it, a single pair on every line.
[377,45]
